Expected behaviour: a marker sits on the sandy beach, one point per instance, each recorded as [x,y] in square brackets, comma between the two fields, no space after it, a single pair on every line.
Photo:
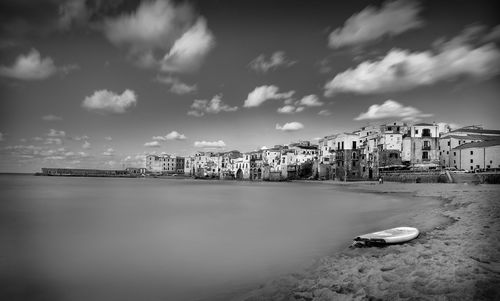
[456,256]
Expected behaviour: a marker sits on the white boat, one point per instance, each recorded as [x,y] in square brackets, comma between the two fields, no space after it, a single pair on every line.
[389,236]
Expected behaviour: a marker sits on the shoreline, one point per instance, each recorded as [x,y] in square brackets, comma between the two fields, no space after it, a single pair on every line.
[456,256]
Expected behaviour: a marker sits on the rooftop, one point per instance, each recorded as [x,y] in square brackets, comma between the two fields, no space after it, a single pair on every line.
[479,144]
[476,131]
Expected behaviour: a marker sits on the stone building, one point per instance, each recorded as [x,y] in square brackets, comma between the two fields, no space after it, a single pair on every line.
[421,146]
[455,138]
[164,164]
[474,156]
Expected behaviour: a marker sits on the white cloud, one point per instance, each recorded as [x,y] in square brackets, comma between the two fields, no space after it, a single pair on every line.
[51,117]
[277,59]
[174,135]
[109,152]
[80,138]
[260,94]
[108,138]
[163,35]
[105,101]
[190,49]
[201,107]
[152,144]
[56,133]
[392,109]
[30,67]
[289,109]
[393,18]
[177,86]
[310,101]
[402,70]
[210,144]
[292,106]
[154,25]
[56,141]
[86,145]
[290,126]
[324,113]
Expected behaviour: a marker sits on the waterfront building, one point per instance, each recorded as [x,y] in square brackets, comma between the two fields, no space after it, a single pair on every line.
[455,138]
[347,156]
[179,165]
[256,165]
[189,169]
[474,156]
[421,146]
[241,167]
[161,164]
[272,157]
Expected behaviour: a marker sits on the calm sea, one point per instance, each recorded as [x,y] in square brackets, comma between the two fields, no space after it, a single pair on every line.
[155,239]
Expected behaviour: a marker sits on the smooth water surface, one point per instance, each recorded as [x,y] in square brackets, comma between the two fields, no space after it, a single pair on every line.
[156,239]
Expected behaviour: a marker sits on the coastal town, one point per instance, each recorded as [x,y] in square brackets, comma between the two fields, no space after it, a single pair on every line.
[423,150]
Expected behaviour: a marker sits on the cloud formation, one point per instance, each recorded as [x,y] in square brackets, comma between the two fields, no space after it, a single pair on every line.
[201,107]
[210,144]
[30,67]
[325,113]
[310,101]
[391,109]
[177,86]
[173,135]
[109,152]
[403,70]
[393,18]
[162,35]
[86,145]
[260,94]
[276,60]
[190,49]
[56,133]
[292,106]
[290,109]
[152,144]
[290,126]
[104,101]
[1,136]
[51,117]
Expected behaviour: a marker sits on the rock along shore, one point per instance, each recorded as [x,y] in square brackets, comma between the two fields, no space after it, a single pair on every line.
[456,257]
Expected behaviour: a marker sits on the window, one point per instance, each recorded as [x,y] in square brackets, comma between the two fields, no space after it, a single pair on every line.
[353,163]
[354,145]
[472,152]
[471,168]
[342,144]
[448,143]
[425,155]
[454,161]
[389,128]
[447,152]
[471,161]
[454,153]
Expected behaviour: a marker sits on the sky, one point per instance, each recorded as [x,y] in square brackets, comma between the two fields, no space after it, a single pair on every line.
[100,84]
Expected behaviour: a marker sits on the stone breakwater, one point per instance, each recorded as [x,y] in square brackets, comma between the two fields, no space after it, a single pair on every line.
[456,257]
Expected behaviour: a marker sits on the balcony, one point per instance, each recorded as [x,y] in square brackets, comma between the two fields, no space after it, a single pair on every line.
[426,147]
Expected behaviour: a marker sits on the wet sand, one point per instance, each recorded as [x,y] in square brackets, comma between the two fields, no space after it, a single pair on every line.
[456,256]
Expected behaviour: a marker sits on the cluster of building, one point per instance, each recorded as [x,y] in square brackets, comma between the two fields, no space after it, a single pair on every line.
[362,154]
